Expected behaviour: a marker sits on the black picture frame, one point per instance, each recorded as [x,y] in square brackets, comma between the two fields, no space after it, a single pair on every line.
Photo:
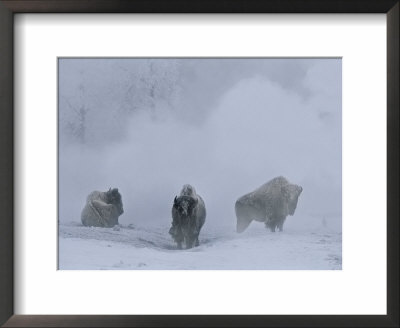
[10,7]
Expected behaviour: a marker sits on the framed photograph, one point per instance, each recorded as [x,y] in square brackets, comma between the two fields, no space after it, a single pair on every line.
[195,135]
[203,164]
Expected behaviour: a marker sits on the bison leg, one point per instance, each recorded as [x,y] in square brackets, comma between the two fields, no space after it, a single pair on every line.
[179,240]
[280,224]
[270,224]
[177,235]
[189,242]
[192,240]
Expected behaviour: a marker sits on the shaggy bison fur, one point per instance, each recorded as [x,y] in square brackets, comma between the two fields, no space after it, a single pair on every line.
[102,209]
[188,216]
[271,203]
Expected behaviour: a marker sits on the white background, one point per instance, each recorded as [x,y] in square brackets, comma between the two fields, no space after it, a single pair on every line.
[360,288]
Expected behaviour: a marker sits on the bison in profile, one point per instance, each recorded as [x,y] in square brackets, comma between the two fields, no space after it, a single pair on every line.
[102,209]
[271,203]
[188,216]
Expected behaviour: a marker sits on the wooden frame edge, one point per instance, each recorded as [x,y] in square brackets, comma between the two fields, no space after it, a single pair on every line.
[9,7]
[6,164]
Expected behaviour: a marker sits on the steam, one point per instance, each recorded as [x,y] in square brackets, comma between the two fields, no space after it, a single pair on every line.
[257,125]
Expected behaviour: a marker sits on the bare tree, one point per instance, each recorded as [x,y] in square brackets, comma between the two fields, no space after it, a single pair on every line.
[76,125]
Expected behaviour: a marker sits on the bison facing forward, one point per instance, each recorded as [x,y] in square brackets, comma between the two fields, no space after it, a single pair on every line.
[102,209]
[271,204]
[188,216]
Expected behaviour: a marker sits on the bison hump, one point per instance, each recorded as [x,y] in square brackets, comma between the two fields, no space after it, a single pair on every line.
[188,190]
[96,195]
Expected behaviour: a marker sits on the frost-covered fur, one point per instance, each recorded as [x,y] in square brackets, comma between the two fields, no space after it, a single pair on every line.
[188,216]
[188,190]
[271,203]
[102,209]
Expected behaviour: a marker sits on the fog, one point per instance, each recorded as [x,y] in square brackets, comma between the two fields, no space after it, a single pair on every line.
[225,126]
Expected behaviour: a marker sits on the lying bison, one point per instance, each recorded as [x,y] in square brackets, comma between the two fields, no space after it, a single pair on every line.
[188,216]
[271,204]
[102,209]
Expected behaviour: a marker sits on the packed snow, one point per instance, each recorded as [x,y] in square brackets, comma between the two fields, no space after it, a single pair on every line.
[137,248]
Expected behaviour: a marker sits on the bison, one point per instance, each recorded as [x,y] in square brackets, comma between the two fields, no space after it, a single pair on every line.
[102,209]
[188,216]
[271,203]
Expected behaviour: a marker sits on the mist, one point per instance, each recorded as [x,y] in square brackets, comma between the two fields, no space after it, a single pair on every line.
[225,126]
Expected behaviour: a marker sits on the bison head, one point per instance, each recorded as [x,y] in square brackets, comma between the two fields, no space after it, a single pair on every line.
[185,205]
[294,192]
[114,198]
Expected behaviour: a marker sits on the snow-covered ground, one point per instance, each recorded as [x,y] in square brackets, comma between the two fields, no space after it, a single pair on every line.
[151,248]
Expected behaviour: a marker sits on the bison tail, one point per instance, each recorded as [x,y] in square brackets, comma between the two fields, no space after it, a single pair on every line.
[242,224]
[243,219]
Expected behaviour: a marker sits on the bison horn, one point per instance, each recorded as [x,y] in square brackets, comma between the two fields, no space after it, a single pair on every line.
[175,200]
